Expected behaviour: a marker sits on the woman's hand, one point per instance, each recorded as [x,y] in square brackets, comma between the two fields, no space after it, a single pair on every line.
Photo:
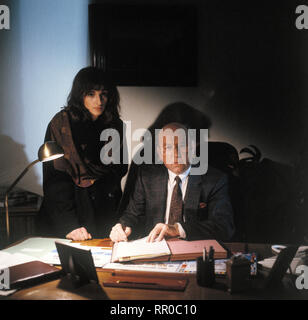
[79,234]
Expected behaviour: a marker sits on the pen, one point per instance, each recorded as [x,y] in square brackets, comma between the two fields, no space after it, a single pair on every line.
[211,254]
[204,254]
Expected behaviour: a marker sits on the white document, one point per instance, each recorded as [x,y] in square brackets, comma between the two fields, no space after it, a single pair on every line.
[140,249]
[44,249]
[10,260]
[5,293]
[100,256]
[173,266]
[36,247]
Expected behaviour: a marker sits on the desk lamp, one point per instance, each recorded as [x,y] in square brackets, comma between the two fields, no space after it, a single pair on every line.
[50,150]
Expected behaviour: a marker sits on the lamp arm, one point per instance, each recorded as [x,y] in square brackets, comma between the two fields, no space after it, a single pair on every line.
[20,176]
[6,202]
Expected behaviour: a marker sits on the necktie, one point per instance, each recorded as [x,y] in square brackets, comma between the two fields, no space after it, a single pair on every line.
[176,205]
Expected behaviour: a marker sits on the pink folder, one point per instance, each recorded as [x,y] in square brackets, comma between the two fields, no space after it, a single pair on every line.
[189,250]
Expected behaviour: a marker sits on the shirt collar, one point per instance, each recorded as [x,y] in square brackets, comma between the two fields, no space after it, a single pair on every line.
[182,176]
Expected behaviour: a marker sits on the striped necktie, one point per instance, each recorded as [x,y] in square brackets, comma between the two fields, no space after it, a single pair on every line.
[176,206]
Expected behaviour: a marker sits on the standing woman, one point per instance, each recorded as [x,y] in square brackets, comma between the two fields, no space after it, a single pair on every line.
[81,194]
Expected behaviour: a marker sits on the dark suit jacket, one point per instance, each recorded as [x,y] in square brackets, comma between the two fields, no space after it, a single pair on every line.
[207,208]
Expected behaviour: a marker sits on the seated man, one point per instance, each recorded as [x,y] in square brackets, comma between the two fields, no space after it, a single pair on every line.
[174,202]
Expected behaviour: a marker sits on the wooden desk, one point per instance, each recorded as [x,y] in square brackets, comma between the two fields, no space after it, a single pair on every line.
[62,290]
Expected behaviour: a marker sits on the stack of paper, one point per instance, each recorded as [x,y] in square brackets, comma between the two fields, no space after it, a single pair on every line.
[8,260]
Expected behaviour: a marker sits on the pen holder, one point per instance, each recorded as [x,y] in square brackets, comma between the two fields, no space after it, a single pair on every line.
[238,274]
[205,272]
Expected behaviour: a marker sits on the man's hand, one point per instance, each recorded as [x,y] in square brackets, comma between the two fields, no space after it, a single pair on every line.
[79,234]
[161,230]
[119,233]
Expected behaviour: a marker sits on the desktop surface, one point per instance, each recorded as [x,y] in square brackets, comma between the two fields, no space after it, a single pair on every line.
[62,289]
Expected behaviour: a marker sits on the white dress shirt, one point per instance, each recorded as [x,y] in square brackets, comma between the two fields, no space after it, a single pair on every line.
[183,185]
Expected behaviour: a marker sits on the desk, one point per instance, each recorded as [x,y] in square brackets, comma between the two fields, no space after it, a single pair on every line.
[52,291]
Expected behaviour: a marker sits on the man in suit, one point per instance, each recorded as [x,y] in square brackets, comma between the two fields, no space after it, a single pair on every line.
[174,202]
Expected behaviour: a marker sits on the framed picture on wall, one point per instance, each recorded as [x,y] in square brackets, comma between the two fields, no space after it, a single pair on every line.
[145,45]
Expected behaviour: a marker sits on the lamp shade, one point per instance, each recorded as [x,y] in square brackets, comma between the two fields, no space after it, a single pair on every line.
[50,150]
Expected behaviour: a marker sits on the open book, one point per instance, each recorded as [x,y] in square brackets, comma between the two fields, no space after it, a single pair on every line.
[139,249]
[173,250]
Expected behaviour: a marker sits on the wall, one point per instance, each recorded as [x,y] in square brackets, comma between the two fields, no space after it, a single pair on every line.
[45,47]
[251,78]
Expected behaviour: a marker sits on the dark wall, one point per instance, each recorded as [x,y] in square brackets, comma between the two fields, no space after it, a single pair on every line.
[251,62]
[253,58]
[253,76]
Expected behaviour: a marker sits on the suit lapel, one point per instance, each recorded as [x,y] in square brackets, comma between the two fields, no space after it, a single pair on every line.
[192,196]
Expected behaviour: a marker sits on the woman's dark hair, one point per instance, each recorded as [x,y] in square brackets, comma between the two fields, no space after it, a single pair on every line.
[87,79]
